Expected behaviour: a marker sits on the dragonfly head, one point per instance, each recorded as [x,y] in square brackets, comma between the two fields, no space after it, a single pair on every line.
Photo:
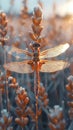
[36,45]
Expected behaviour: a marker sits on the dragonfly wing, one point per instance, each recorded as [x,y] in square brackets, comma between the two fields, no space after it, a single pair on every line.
[53,52]
[19,67]
[16,52]
[53,66]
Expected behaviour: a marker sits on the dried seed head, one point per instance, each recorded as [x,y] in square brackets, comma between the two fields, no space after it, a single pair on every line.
[5,120]
[22,110]
[36,26]
[43,96]
[12,82]
[22,98]
[3,28]
[56,118]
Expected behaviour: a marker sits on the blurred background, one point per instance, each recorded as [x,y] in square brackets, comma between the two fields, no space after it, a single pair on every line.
[62,7]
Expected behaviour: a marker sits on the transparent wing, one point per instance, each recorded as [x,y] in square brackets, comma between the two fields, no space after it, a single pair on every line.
[19,67]
[53,66]
[18,53]
[53,52]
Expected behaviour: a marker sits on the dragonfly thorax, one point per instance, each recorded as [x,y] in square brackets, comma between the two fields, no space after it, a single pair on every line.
[36,56]
[36,48]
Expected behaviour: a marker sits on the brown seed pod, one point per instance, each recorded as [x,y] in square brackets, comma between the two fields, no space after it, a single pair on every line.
[37,12]
[52,126]
[33,36]
[69,87]
[22,121]
[70,104]
[26,101]
[14,80]
[37,29]
[36,21]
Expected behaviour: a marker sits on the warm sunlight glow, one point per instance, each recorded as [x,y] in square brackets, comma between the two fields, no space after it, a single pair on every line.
[65,8]
[69,7]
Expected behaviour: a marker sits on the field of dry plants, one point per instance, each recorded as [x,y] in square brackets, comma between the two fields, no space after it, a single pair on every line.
[36,70]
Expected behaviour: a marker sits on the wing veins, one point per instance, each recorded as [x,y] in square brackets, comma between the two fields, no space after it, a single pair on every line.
[54,65]
[55,51]
[16,51]
[19,67]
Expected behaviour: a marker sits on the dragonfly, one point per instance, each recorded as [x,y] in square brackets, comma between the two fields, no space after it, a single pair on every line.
[36,57]
[36,61]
